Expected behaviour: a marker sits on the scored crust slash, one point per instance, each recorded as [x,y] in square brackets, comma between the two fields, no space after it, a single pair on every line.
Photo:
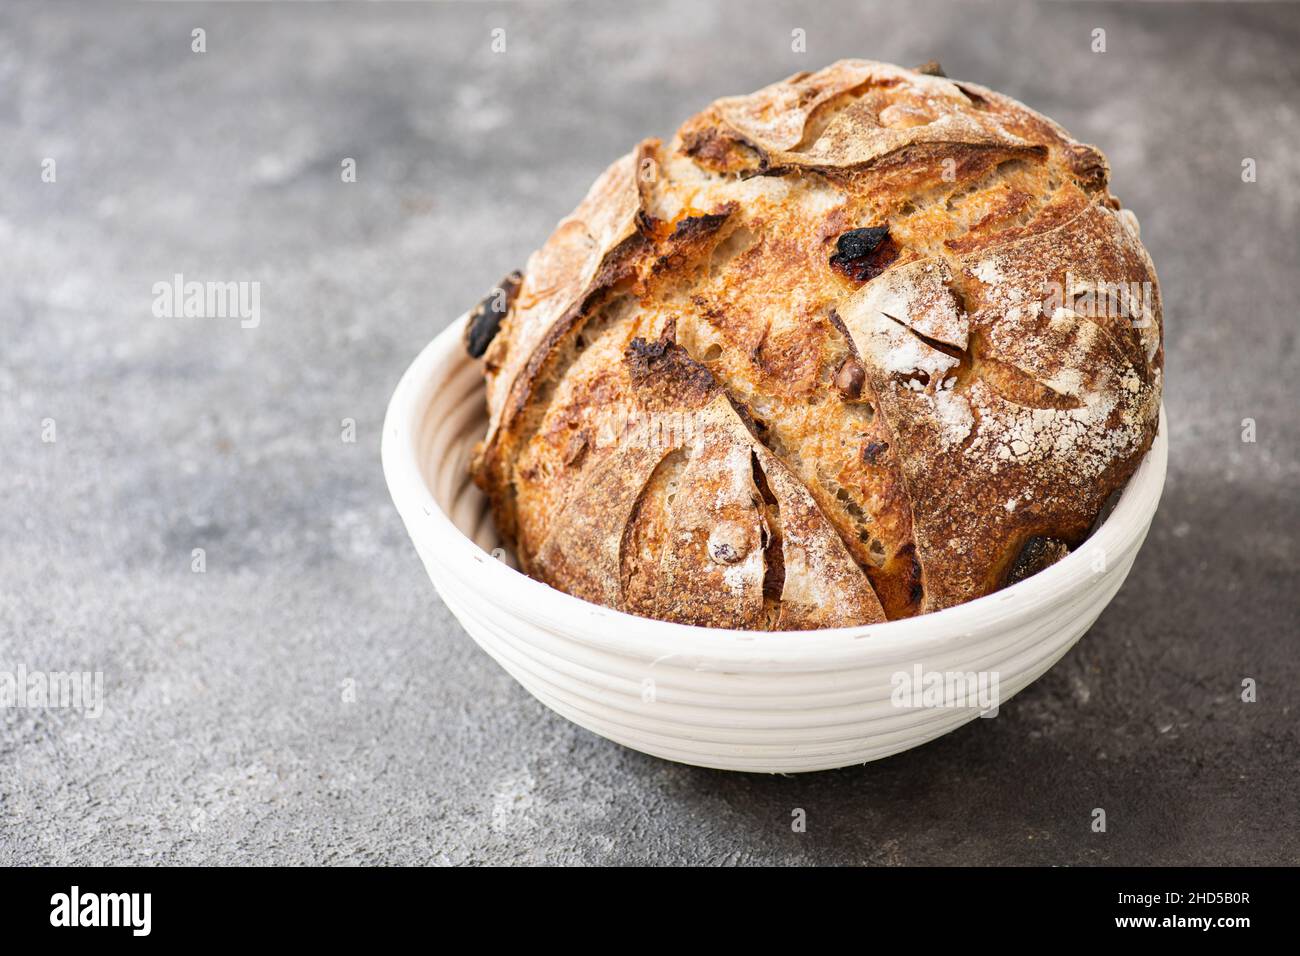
[839,289]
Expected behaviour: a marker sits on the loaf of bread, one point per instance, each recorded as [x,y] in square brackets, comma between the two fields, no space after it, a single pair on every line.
[864,344]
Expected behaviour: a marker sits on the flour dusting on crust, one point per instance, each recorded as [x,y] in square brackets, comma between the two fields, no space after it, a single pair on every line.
[849,348]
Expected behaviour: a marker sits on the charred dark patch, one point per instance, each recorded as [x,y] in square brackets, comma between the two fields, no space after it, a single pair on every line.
[859,243]
[1038,553]
[863,254]
[707,145]
[665,375]
[485,321]
[694,227]
[721,152]
[646,224]
[690,238]
[645,351]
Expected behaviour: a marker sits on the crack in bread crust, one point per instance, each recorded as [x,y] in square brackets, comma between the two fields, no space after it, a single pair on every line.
[818,331]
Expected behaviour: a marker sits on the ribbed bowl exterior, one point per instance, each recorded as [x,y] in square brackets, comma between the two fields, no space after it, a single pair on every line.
[736,700]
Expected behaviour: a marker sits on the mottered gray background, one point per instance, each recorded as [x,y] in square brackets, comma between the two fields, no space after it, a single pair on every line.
[307,698]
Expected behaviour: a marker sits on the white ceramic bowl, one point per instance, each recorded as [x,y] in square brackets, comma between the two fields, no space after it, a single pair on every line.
[737,700]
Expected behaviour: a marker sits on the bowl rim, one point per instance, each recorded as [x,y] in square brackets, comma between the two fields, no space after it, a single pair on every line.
[469,566]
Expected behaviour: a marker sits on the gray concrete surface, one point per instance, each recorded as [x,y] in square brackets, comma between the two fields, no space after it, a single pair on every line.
[230,733]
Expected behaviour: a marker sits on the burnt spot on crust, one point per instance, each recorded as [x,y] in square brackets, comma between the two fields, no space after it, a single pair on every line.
[485,321]
[858,243]
[863,254]
[646,224]
[706,145]
[691,237]
[665,376]
[720,152]
[1038,553]
[692,227]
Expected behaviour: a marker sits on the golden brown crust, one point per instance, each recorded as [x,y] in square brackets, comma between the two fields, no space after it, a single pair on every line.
[847,349]
[683,514]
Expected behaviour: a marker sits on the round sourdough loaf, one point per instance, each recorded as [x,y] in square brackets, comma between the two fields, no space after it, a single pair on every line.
[864,344]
